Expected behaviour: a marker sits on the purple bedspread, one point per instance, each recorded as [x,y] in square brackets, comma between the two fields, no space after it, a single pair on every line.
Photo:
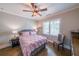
[29,43]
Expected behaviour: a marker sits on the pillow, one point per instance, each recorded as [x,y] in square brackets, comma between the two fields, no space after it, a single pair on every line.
[33,33]
[25,34]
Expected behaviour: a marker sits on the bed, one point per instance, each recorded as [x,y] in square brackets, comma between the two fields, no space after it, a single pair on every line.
[31,43]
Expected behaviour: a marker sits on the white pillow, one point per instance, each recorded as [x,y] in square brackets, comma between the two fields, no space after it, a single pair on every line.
[25,34]
[33,33]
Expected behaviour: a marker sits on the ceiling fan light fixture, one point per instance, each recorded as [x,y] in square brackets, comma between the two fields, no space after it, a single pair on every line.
[34,14]
[35,10]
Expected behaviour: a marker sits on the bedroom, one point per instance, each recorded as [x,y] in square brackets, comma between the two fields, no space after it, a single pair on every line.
[57,18]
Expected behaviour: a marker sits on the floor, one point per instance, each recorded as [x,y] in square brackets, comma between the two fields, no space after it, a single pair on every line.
[53,51]
[48,51]
[75,43]
[9,51]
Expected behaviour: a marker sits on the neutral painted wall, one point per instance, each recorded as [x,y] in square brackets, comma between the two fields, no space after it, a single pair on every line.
[9,22]
[69,22]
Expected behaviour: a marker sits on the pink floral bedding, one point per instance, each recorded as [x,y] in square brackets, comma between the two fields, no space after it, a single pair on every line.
[31,42]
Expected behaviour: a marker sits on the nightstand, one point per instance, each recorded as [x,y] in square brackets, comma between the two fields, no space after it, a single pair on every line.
[15,42]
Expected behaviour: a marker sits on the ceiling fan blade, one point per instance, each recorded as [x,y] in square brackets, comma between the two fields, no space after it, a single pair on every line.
[27,10]
[45,9]
[32,4]
[27,5]
[39,14]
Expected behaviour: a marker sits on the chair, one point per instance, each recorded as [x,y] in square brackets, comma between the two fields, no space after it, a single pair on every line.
[60,41]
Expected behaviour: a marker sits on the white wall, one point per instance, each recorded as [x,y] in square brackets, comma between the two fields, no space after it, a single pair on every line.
[69,22]
[10,22]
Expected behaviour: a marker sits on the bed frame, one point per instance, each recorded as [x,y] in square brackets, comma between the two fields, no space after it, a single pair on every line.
[37,50]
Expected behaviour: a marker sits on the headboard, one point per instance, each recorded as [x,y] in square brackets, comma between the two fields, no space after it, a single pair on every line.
[25,30]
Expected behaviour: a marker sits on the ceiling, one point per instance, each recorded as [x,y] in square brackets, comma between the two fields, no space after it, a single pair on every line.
[52,8]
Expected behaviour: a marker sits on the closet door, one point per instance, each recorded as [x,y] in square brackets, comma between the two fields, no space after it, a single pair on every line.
[75,43]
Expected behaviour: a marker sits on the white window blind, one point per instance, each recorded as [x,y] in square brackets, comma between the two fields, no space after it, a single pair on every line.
[54,27]
[46,28]
[51,27]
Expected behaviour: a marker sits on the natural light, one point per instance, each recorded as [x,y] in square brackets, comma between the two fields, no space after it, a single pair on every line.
[51,27]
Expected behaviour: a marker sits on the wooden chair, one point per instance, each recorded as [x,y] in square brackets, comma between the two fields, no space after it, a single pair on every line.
[60,41]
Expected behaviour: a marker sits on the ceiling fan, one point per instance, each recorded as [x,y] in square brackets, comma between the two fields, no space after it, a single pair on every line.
[35,10]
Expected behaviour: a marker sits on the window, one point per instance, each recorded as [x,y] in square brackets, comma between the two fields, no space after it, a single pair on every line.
[46,28]
[51,27]
[54,27]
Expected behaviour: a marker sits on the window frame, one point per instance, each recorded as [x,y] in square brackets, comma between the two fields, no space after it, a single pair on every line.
[49,28]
